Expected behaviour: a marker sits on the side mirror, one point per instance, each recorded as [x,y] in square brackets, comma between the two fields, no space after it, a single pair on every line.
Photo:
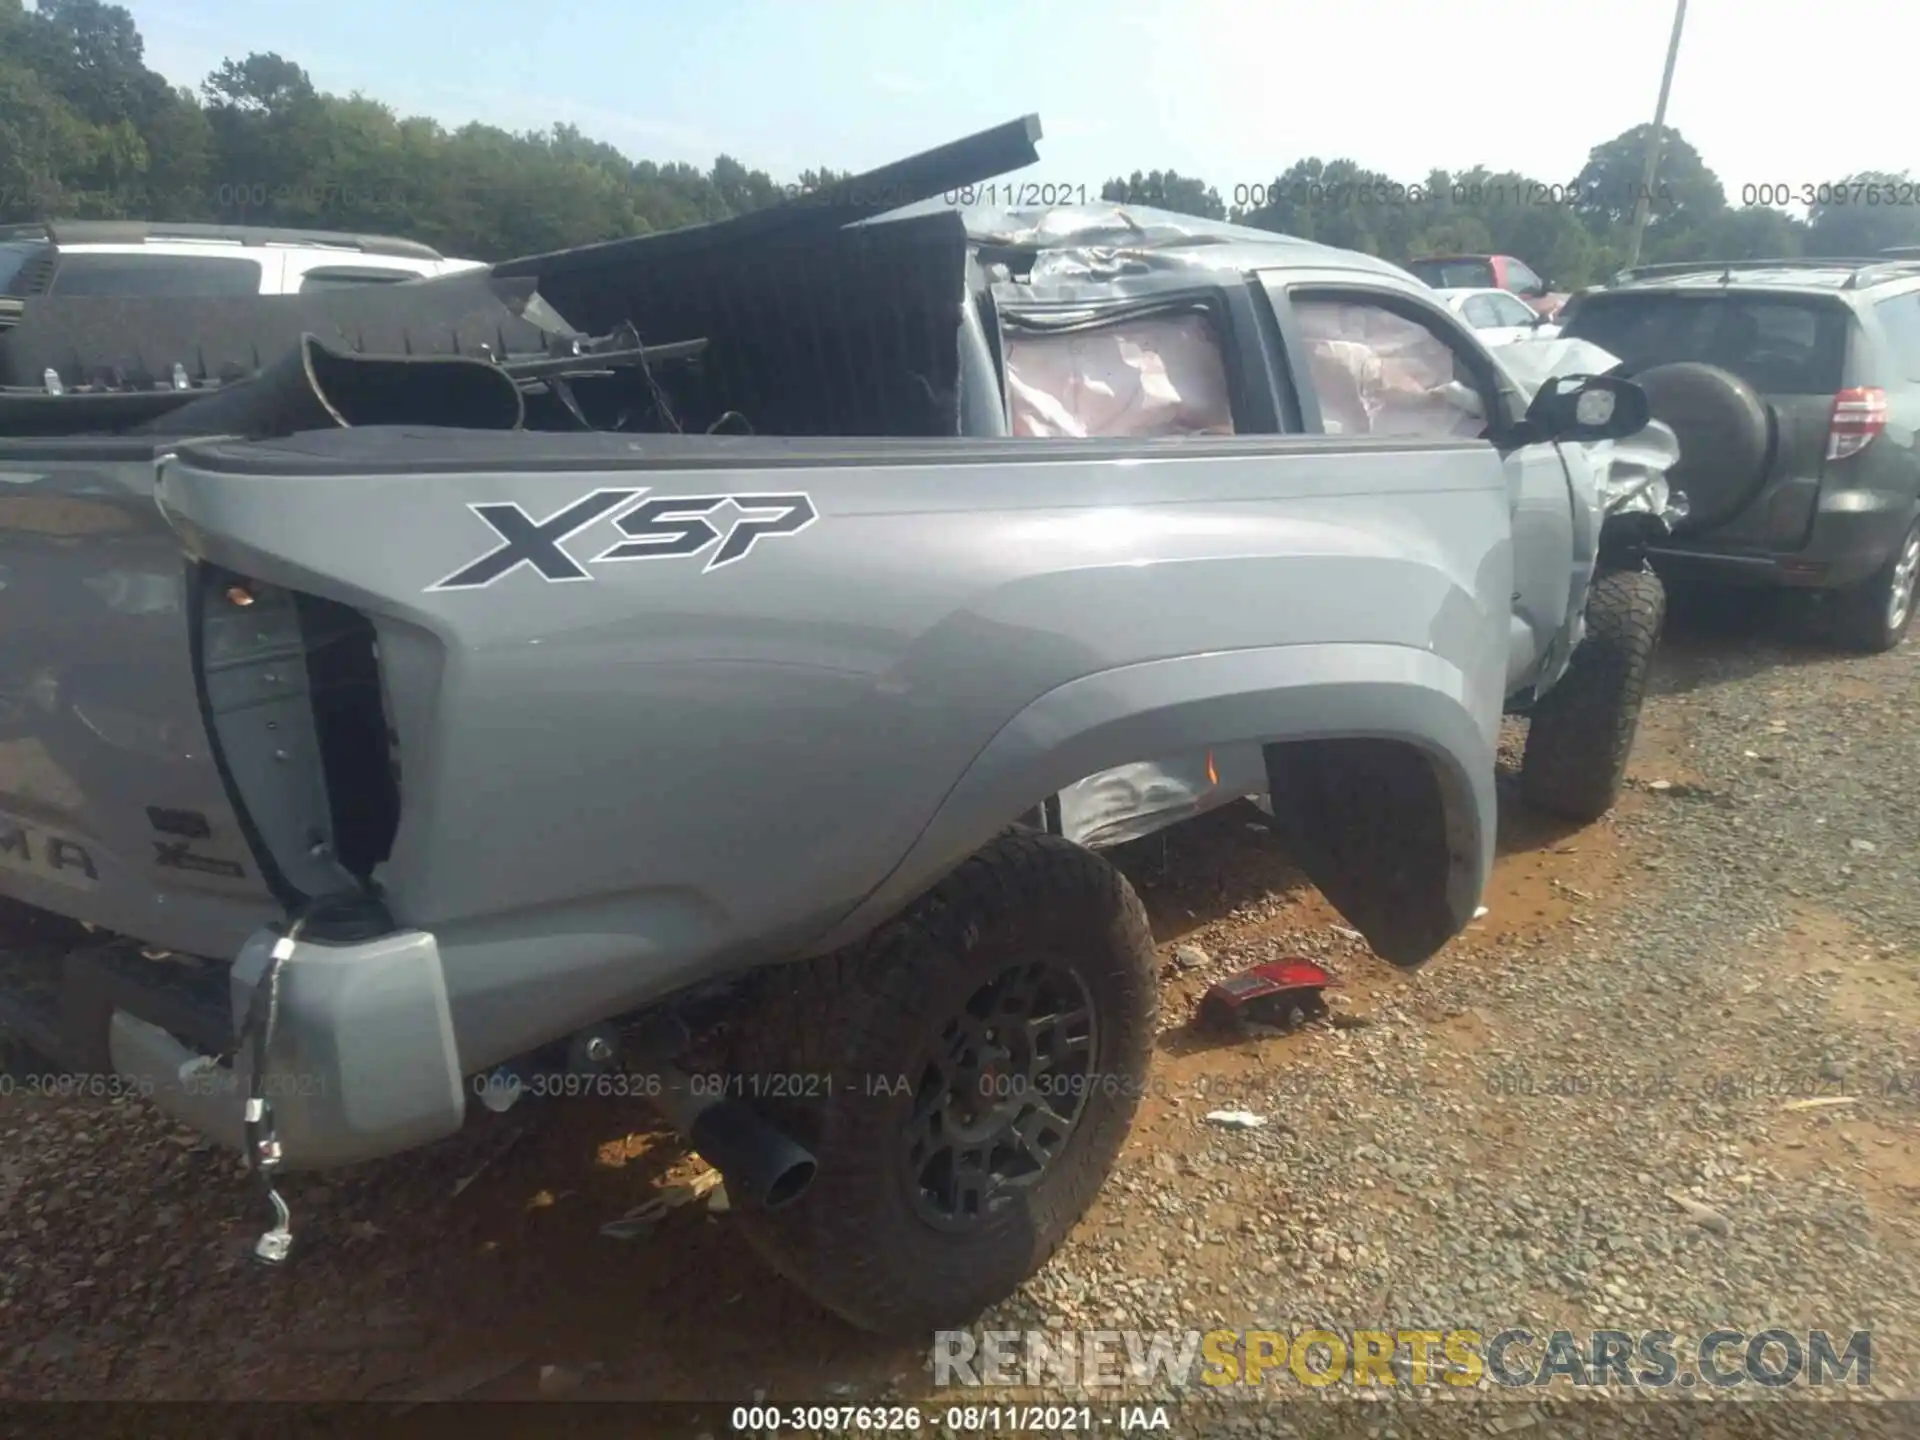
[1588,407]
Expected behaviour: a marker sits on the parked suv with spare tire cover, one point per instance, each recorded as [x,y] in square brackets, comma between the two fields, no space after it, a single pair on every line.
[1794,389]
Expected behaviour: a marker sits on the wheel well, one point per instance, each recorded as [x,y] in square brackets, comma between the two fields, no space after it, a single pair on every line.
[1386,833]
[1382,827]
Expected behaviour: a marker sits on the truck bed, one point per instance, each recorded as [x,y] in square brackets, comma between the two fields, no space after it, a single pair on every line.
[654,764]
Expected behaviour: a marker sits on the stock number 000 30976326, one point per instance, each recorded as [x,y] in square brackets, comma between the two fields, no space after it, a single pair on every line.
[1837,192]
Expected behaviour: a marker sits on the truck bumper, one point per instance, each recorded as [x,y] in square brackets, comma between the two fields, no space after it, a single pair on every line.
[363,1062]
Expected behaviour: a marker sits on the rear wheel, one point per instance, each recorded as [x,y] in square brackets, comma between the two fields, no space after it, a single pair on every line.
[1876,615]
[969,1074]
[1581,732]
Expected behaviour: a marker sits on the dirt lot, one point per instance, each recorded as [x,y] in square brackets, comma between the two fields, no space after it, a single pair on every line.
[1588,1112]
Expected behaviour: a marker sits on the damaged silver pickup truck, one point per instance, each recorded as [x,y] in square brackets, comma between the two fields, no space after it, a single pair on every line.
[696,660]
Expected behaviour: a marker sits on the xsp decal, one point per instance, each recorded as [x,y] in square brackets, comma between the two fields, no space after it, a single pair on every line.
[533,543]
[657,529]
[667,527]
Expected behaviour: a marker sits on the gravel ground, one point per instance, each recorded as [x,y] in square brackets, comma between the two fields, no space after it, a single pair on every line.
[1609,1128]
[1591,1112]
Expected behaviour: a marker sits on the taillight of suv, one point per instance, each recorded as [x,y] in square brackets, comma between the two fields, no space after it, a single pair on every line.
[1858,415]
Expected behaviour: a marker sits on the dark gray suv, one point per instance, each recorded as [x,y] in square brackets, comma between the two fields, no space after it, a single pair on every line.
[1794,387]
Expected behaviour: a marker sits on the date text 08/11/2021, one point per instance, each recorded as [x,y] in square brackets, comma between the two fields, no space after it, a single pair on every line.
[1325,194]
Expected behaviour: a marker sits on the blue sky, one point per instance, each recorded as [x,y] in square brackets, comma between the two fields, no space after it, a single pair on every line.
[1232,90]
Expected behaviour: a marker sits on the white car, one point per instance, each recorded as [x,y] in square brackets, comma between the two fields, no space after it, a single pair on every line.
[1498,315]
[139,257]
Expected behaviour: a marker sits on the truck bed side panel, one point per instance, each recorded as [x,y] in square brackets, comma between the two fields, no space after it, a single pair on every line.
[658,767]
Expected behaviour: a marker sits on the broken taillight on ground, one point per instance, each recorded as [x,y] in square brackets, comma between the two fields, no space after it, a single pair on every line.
[1277,995]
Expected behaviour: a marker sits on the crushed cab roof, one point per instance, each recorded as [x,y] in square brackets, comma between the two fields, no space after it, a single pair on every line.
[916,188]
[1152,238]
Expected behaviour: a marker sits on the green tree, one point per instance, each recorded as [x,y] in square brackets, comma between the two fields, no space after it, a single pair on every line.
[1752,232]
[179,150]
[1448,222]
[1166,190]
[1858,216]
[272,139]
[43,142]
[87,129]
[740,189]
[812,180]
[1610,184]
[138,147]
[92,55]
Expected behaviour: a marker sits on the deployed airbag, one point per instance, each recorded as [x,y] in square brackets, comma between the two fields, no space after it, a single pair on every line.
[1148,375]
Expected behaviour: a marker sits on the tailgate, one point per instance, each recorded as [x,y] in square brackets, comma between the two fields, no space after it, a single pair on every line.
[112,810]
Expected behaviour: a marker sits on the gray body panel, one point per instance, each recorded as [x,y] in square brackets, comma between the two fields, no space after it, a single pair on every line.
[732,701]
[99,718]
[615,786]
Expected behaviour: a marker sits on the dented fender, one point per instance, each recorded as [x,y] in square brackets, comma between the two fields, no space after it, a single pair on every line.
[1379,765]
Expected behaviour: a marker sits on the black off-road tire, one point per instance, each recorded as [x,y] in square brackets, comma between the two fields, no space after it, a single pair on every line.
[1865,619]
[867,1020]
[1581,731]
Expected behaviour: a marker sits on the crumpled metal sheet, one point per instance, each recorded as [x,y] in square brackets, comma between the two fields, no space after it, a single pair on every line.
[1105,241]
[1531,363]
[1132,801]
[1632,473]
[1104,223]
[1629,474]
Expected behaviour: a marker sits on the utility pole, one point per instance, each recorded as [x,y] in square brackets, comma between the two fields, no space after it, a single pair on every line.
[1643,202]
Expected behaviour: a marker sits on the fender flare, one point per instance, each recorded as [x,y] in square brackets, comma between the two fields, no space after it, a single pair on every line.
[1355,705]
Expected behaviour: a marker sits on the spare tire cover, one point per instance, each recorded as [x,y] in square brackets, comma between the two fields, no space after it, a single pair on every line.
[1726,438]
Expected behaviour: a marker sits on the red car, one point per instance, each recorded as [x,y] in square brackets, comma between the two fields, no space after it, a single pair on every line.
[1489,272]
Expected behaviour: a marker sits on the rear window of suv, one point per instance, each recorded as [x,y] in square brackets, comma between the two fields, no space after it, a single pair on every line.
[14,255]
[1780,345]
[120,275]
[1455,274]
